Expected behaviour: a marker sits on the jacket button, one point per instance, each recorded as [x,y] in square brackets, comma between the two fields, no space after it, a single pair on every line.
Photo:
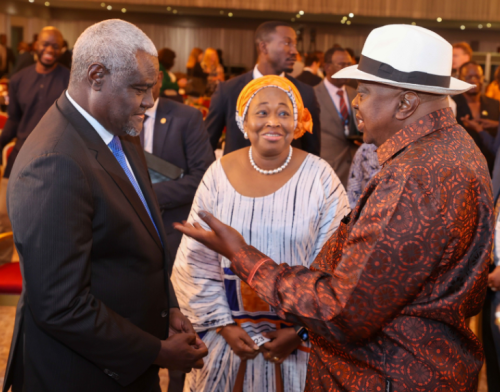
[164,313]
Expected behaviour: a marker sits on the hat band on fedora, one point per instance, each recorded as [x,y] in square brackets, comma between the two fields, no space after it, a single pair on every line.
[386,71]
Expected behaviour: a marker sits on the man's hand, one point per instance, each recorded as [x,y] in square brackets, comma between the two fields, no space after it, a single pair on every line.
[242,344]
[494,279]
[470,123]
[179,323]
[487,123]
[283,343]
[182,351]
[223,239]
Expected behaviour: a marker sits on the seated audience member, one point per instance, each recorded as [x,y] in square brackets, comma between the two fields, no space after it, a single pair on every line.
[176,133]
[310,73]
[213,69]
[338,120]
[197,79]
[477,113]
[193,64]
[462,53]
[66,55]
[276,45]
[169,85]
[32,91]
[287,203]
[493,89]
[7,57]
[25,57]
[364,166]
[387,299]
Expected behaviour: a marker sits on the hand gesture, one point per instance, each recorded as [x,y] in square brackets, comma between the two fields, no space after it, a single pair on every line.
[283,343]
[470,123]
[241,343]
[179,323]
[223,239]
[487,123]
[182,351]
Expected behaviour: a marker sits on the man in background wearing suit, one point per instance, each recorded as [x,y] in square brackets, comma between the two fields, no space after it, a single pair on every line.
[98,312]
[310,73]
[337,116]
[276,45]
[176,133]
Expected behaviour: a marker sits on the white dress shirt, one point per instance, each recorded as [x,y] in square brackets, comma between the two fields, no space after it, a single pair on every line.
[332,90]
[149,127]
[258,74]
[103,133]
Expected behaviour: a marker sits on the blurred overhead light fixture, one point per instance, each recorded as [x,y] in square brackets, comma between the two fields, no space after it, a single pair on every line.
[230,14]
[221,12]
[32,1]
[439,19]
[462,27]
[293,19]
[480,26]
[351,15]
[47,4]
[297,16]
[342,21]
[103,4]
[488,25]
[413,23]
[124,10]
[348,22]
[301,12]
[174,11]
[109,8]
[169,8]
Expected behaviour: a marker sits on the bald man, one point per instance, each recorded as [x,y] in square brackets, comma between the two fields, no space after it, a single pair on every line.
[32,91]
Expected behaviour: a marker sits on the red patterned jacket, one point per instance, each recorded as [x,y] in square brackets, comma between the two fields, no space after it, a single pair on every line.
[389,294]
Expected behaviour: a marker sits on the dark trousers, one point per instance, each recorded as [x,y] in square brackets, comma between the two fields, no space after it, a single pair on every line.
[491,340]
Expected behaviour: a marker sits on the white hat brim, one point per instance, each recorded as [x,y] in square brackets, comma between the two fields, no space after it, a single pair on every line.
[456,86]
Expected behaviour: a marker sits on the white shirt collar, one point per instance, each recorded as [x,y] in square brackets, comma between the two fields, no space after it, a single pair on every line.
[309,69]
[258,74]
[103,133]
[332,88]
[151,112]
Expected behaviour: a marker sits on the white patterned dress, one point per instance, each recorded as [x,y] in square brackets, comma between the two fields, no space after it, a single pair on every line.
[290,225]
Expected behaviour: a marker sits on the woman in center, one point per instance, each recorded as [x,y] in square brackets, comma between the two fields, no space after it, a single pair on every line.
[286,203]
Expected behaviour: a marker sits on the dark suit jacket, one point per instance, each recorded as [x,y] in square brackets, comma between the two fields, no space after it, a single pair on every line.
[96,289]
[183,141]
[336,149]
[223,108]
[309,78]
[490,109]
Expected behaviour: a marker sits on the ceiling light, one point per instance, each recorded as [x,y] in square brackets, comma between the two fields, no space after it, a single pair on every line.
[301,12]
[344,17]
[351,15]
[47,3]
[221,12]
[174,11]
[293,19]
[297,16]
[103,4]
[462,27]
[348,22]
[488,25]
[413,23]
[32,1]
[230,14]
[480,26]
[439,19]
[109,8]
[169,8]
[124,10]
[342,21]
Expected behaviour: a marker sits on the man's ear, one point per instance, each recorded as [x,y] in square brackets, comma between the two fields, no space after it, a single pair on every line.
[263,47]
[409,101]
[96,75]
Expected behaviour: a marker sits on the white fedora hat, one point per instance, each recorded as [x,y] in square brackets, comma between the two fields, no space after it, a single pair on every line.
[409,57]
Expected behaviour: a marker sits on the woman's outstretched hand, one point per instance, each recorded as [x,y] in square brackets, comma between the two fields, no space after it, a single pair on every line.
[223,239]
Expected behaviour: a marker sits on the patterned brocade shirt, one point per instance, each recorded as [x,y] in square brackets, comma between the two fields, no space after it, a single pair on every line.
[388,295]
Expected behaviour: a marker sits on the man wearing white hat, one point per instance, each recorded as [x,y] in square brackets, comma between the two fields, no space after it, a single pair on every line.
[386,301]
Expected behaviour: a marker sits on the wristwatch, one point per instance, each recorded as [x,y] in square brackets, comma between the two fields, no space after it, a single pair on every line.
[301,332]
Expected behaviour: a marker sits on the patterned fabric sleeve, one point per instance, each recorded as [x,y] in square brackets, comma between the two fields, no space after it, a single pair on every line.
[197,275]
[354,296]
[364,166]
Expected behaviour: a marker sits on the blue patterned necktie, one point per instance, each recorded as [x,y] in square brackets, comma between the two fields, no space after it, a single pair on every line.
[116,147]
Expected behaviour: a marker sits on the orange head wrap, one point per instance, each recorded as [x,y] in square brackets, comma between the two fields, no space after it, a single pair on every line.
[302,117]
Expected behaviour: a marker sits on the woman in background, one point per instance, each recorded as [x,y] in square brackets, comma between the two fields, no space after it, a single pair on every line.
[285,202]
[213,69]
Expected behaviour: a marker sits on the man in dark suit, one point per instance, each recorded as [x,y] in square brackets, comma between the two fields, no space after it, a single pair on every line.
[310,73]
[477,113]
[338,121]
[98,312]
[276,45]
[176,133]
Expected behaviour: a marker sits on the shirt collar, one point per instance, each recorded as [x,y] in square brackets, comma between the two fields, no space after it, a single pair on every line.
[151,112]
[332,88]
[103,133]
[257,74]
[424,126]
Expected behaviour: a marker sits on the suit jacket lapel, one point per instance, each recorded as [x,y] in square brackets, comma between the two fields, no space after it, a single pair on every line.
[107,160]
[324,96]
[162,123]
